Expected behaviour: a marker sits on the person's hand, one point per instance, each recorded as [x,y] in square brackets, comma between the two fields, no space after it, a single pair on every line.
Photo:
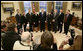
[45,21]
[34,23]
[60,22]
[39,21]
[53,20]
[50,22]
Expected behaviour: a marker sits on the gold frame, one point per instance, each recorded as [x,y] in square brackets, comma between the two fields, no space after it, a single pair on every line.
[76,9]
[7,3]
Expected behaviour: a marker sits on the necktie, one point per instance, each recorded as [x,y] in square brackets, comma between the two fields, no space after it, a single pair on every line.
[42,14]
[66,18]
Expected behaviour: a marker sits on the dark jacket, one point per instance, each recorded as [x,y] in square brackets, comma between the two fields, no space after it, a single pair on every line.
[9,39]
[29,17]
[35,18]
[49,18]
[42,18]
[23,19]
[69,19]
[61,17]
[18,18]
[55,17]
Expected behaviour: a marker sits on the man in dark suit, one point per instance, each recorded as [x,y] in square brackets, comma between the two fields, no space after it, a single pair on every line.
[67,21]
[24,21]
[18,19]
[60,20]
[55,20]
[42,18]
[35,21]
[29,16]
[49,21]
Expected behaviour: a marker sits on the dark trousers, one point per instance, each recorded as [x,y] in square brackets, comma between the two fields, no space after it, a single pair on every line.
[54,28]
[31,25]
[19,27]
[42,26]
[59,27]
[25,27]
[49,26]
[66,28]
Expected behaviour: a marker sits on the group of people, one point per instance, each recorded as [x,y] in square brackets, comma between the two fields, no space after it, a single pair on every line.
[54,20]
[10,31]
[11,40]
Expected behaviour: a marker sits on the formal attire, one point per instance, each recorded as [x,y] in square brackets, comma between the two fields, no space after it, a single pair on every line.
[60,21]
[30,20]
[49,21]
[35,20]
[55,23]
[18,20]
[9,39]
[67,21]
[24,21]
[42,18]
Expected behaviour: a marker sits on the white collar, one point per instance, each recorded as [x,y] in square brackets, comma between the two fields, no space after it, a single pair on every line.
[25,43]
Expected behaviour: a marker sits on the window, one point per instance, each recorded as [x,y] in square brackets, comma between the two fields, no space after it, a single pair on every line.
[43,4]
[58,6]
[27,5]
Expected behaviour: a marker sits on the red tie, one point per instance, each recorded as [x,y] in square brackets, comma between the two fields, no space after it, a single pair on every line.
[65,19]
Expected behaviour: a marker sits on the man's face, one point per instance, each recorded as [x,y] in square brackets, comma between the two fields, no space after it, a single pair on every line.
[29,10]
[23,13]
[61,11]
[42,10]
[18,11]
[55,10]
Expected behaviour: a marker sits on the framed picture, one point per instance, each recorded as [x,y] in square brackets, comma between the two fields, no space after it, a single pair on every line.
[76,6]
[7,6]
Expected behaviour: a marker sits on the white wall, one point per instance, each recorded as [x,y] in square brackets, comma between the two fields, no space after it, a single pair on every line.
[77,13]
[5,15]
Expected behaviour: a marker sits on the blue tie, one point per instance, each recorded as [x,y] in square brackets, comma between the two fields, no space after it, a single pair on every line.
[42,14]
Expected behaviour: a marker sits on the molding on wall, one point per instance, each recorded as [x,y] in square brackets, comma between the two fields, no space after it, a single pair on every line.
[65,4]
[21,6]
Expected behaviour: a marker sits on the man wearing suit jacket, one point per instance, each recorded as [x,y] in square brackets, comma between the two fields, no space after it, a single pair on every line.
[49,21]
[18,19]
[60,20]
[35,21]
[24,21]
[42,18]
[67,21]
[29,16]
[55,20]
